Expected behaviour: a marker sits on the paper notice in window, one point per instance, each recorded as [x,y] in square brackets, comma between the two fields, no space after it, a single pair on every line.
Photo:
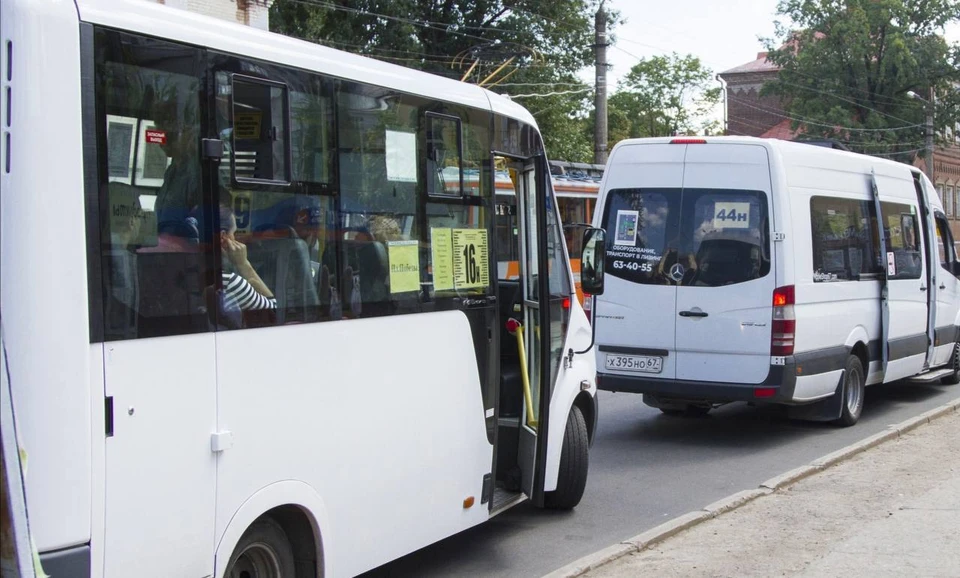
[441,246]
[471,263]
[404,266]
[891,264]
[401,156]
[731,216]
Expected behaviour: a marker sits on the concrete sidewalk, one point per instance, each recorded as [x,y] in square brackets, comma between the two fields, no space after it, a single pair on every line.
[893,510]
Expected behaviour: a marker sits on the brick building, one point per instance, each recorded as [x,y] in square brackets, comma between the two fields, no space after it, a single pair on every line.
[749,113]
[254,13]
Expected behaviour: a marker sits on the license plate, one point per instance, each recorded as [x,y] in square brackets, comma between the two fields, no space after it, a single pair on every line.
[642,363]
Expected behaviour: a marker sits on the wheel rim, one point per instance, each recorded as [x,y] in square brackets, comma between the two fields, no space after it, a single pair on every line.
[257,560]
[854,392]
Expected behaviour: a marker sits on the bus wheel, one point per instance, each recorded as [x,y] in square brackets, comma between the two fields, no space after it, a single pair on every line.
[853,391]
[263,552]
[572,478]
[953,378]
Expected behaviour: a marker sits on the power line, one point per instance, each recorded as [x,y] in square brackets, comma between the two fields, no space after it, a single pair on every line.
[817,123]
[557,93]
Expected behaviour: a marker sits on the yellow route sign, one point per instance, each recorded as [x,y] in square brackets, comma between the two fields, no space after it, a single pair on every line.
[471,262]
[441,245]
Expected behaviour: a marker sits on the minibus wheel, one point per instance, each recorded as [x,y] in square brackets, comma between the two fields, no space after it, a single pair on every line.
[572,477]
[852,392]
[953,378]
[262,552]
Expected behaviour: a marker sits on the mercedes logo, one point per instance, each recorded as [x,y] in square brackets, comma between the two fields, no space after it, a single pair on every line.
[676,272]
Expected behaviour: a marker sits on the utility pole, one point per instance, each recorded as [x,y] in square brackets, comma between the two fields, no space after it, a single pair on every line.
[600,90]
[929,140]
[929,104]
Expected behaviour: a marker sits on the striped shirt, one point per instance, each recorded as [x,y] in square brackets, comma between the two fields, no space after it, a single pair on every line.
[238,291]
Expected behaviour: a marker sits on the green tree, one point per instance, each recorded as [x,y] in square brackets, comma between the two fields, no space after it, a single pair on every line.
[846,68]
[520,47]
[663,96]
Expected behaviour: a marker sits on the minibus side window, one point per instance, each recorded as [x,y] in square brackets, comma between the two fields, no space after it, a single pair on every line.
[945,246]
[843,244]
[902,233]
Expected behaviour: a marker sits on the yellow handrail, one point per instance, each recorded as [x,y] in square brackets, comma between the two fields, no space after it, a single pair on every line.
[527,396]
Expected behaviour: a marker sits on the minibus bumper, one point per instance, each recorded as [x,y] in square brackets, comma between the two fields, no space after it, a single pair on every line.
[778,387]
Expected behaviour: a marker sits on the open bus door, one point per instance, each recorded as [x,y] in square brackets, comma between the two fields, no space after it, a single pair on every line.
[527,317]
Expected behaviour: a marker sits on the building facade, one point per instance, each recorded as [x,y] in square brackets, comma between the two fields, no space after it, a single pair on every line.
[751,114]
[254,13]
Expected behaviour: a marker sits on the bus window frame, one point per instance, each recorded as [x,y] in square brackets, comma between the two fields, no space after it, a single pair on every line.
[245,182]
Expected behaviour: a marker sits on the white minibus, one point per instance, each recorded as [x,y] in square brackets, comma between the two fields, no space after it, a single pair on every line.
[743,269]
[252,317]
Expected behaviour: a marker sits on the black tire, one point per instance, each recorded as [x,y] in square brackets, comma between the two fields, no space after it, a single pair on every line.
[262,552]
[953,378]
[852,392]
[574,461]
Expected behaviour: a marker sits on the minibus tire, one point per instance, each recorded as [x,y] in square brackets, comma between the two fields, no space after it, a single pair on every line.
[264,551]
[953,378]
[852,377]
[574,460]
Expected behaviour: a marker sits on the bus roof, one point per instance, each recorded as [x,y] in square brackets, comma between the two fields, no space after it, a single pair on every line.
[199,30]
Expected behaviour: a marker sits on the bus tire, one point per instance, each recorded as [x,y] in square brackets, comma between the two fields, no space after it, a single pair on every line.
[852,392]
[264,551]
[953,378]
[574,460]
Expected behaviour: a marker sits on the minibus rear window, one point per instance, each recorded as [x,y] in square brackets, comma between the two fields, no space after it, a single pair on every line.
[688,237]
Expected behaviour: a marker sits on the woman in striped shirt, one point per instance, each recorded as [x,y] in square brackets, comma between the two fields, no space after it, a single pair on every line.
[242,287]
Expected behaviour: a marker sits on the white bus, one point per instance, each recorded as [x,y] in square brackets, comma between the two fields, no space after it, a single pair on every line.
[765,271]
[250,330]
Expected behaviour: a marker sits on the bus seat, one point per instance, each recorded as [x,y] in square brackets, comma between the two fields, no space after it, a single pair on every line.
[374,267]
[171,286]
[284,265]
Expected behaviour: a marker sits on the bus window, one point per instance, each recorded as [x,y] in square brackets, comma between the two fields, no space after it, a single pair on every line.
[276,219]
[156,253]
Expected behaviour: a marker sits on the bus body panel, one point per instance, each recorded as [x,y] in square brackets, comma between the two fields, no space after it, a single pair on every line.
[837,307]
[408,435]
[741,311]
[636,166]
[835,312]
[44,302]
[164,406]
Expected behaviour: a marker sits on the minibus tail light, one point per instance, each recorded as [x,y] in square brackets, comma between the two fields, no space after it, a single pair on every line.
[587,305]
[689,141]
[783,332]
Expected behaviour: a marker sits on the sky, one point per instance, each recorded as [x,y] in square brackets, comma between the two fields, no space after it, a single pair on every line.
[723,33]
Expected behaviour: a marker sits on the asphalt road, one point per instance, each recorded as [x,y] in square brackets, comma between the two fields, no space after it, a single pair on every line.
[646,468]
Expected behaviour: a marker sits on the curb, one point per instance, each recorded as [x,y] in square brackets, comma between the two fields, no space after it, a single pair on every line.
[673,527]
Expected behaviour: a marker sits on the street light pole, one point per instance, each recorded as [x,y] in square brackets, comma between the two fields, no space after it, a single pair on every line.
[928,129]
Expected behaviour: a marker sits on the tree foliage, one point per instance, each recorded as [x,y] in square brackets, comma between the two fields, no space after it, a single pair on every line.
[540,45]
[663,96]
[847,67]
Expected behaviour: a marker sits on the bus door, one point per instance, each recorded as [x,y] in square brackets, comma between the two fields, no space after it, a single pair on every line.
[906,315]
[529,325]
[159,358]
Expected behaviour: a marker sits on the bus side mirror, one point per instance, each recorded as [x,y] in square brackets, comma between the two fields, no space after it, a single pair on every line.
[592,259]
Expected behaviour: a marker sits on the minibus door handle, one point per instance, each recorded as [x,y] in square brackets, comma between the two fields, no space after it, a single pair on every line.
[693,314]
[923,287]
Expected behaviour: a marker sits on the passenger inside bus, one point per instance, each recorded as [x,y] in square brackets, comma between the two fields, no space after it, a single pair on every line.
[243,288]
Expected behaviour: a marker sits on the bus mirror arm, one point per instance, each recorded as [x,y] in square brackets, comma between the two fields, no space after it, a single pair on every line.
[593,336]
